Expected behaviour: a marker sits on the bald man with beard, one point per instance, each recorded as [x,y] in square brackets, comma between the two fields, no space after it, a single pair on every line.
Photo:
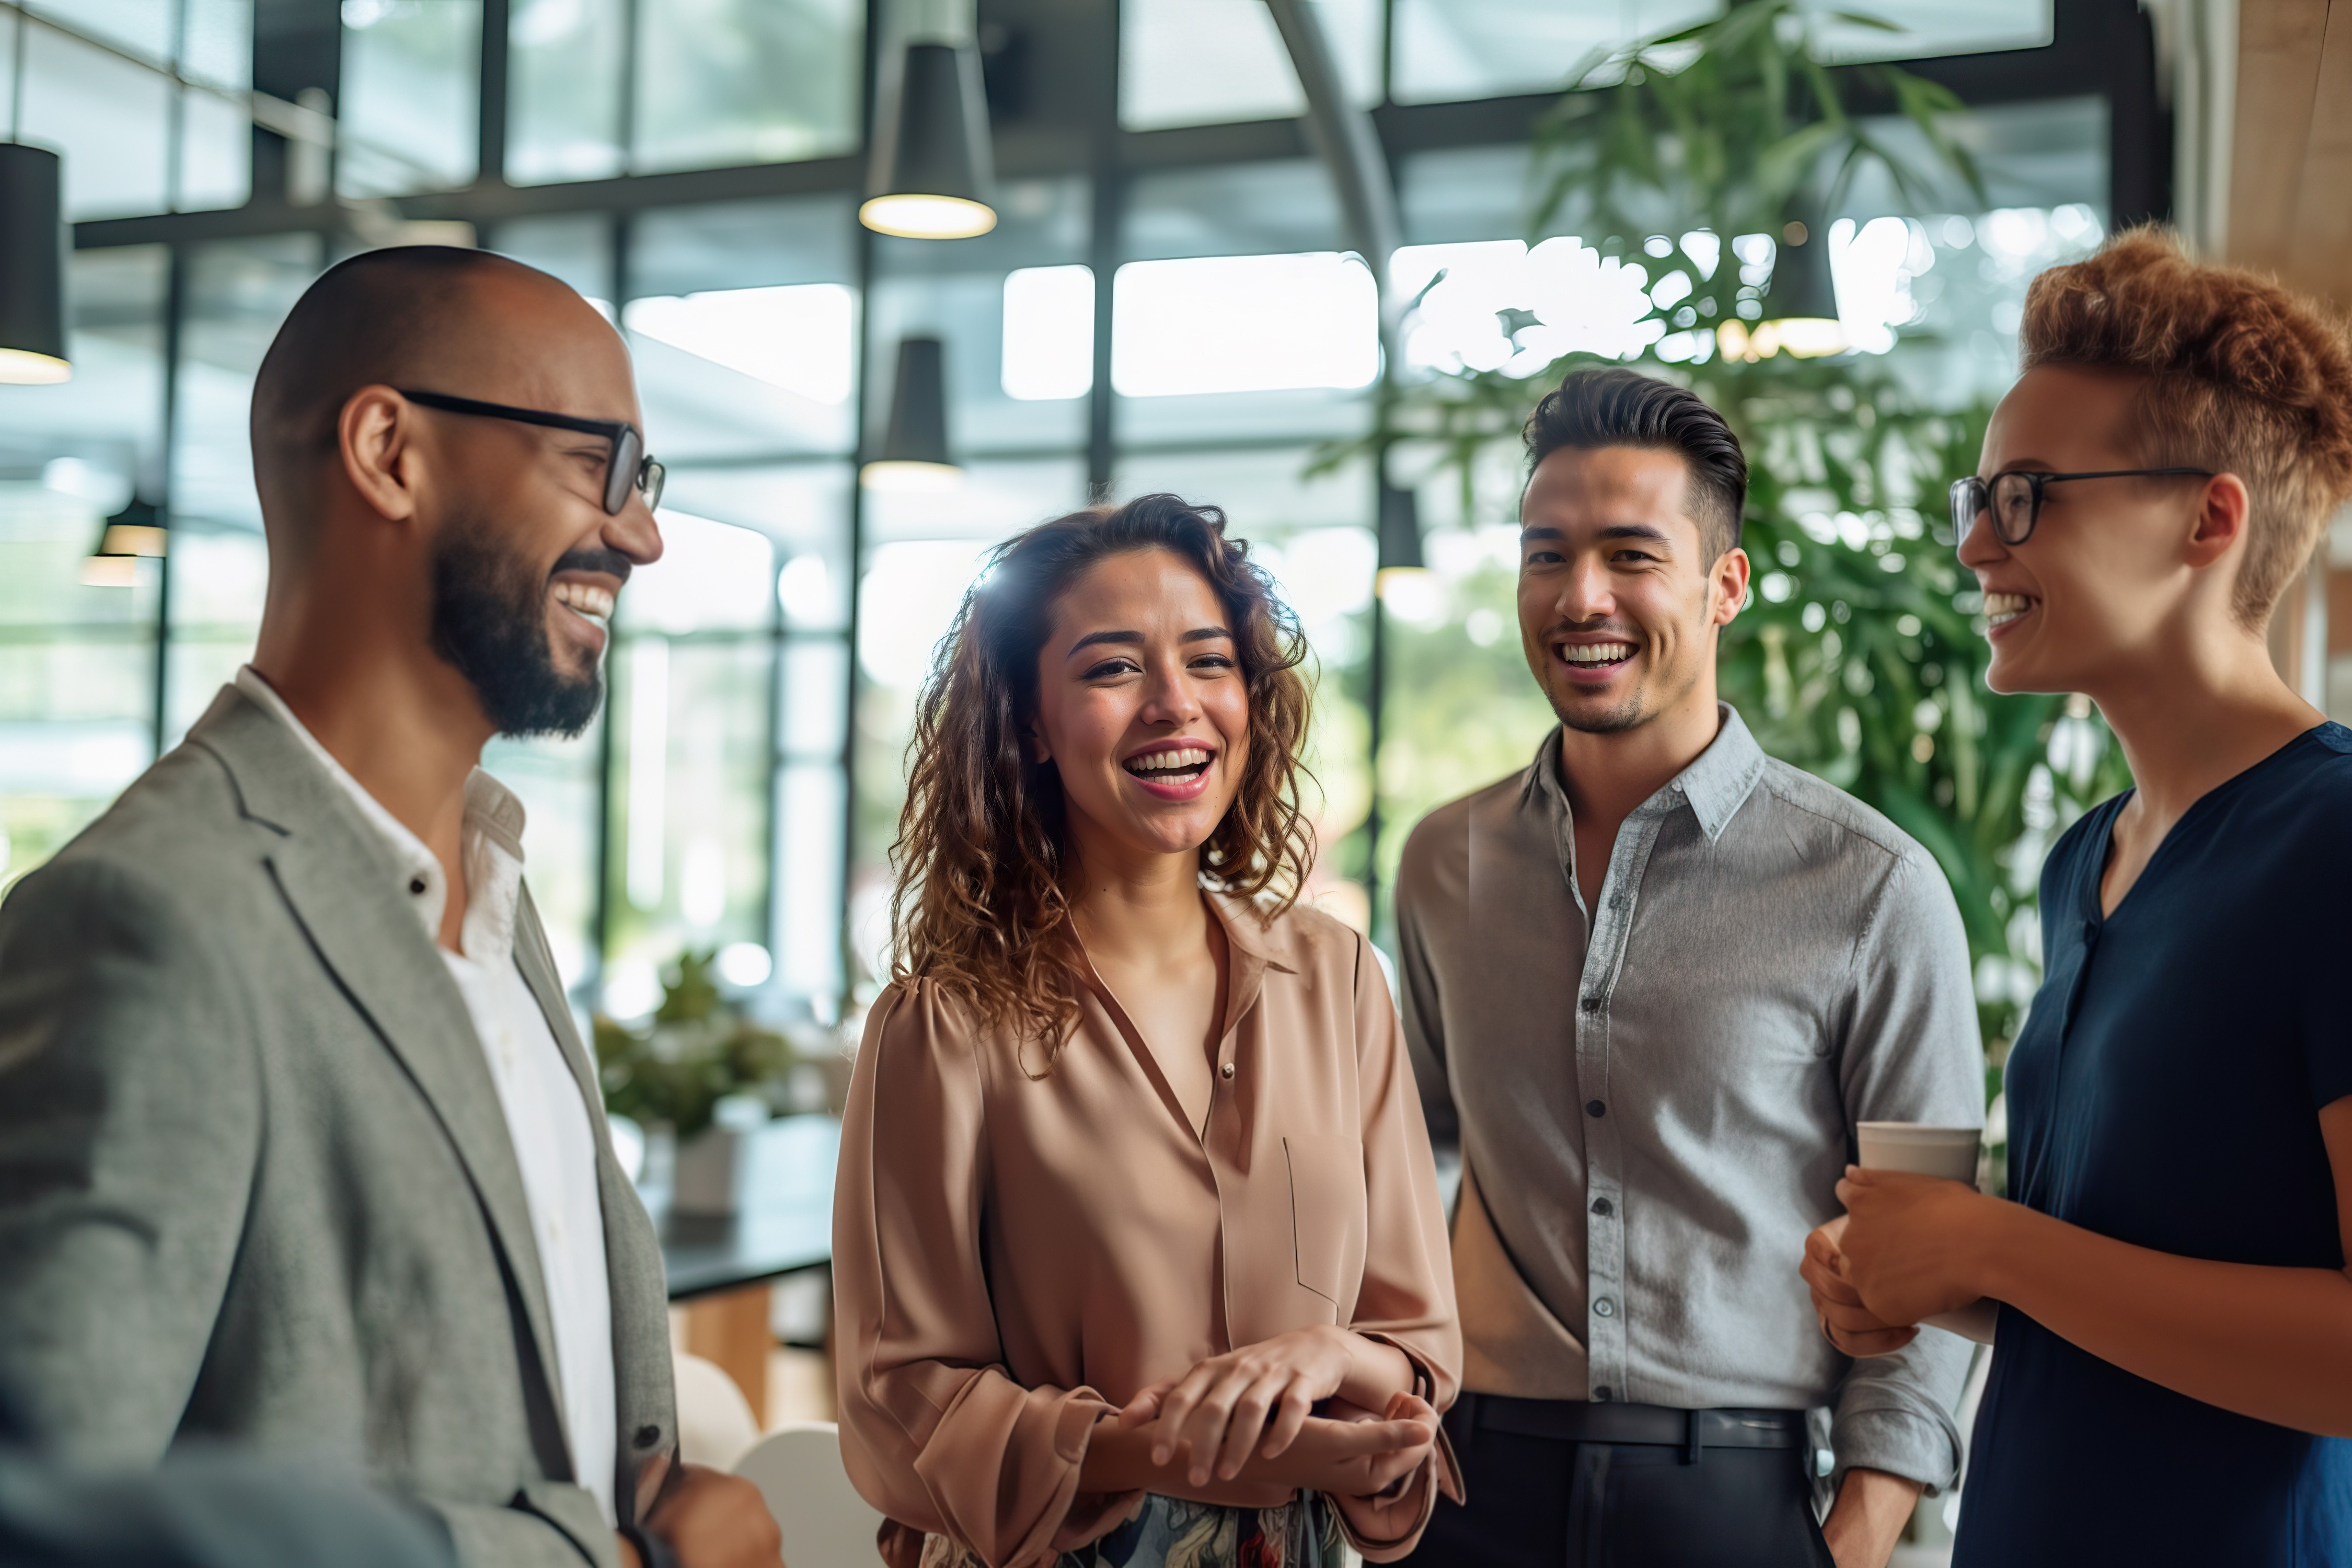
[299,1147]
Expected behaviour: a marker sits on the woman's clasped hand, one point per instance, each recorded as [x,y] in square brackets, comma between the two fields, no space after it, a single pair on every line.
[1250,1418]
[1908,1249]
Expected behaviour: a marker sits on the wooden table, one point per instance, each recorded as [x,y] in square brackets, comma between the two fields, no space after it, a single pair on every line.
[720,1270]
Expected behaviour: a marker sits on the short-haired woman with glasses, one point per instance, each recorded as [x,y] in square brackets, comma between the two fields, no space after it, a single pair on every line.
[2172,1376]
[1138,1254]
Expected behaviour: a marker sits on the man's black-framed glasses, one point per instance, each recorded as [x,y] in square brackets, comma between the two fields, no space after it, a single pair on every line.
[626,465]
[2015,499]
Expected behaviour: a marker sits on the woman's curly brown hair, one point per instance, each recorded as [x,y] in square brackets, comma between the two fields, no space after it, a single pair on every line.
[983,848]
[2239,375]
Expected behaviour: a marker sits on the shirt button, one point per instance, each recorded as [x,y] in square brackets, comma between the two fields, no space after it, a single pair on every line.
[1595,1108]
[1226,1071]
[1591,1004]
[1601,1395]
[1603,1208]
[1604,1307]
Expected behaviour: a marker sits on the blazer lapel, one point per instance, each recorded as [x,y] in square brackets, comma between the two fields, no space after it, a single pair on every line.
[330,863]
[643,1388]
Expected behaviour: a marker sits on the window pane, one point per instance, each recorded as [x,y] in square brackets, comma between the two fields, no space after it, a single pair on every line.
[411,96]
[1049,334]
[1946,291]
[218,576]
[1244,324]
[77,662]
[693,671]
[576,247]
[238,292]
[744,329]
[142,27]
[564,80]
[215,153]
[747,81]
[218,44]
[1257,211]
[957,293]
[1936,27]
[1482,49]
[110,119]
[802,508]
[710,577]
[810,800]
[689,800]
[1204,62]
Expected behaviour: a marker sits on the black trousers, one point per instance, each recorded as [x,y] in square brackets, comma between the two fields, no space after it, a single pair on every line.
[1545,1494]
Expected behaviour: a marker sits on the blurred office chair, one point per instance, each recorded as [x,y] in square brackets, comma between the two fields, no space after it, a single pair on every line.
[716,1426]
[826,1523]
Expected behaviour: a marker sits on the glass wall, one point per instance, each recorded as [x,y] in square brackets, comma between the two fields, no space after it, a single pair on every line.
[77,714]
[144,98]
[741,791]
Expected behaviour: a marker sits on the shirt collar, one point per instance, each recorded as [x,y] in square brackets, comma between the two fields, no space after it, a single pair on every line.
[492,848]
[1714,787]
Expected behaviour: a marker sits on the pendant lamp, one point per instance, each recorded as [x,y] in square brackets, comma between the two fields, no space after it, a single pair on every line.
[32,267]
[934,175]
[1801,304]
[130,535]
[1399,539]
[914,455]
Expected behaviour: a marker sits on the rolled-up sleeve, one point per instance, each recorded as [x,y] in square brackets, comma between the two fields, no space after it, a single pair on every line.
[1912,1053]
[1406,1295]
[934,1431]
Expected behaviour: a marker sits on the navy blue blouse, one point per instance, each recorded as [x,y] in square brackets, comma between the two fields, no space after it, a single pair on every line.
[2166,1091]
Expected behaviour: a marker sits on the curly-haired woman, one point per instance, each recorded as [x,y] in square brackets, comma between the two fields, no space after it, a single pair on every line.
[2172,1376]
[1138,1257]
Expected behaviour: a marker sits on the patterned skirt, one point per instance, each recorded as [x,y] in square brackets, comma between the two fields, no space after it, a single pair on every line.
[1169,1533]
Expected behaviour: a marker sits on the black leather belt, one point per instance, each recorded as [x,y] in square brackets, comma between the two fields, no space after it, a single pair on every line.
[1580,1421]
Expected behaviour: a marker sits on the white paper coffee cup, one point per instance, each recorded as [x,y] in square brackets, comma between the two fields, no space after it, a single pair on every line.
[1946,1152]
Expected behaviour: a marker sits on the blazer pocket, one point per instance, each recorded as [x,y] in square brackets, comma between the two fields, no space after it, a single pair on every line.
[1327,1214]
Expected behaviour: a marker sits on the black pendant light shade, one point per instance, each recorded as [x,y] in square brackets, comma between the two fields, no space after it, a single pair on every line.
[934,177]
[134,533]
[32,267]
[1802,303]
[914,455]
[1400,536]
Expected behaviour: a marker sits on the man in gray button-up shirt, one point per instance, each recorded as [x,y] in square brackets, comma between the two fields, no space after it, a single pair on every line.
[1650,983]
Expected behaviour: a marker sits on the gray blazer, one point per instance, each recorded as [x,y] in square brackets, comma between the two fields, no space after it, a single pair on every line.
[255,1182]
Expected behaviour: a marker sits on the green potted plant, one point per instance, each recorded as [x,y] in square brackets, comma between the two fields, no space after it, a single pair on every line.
[699,1067]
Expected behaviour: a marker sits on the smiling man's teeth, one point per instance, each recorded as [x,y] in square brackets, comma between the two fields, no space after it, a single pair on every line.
[2003,608]
[1163,762]
[1596,653]
[590,601]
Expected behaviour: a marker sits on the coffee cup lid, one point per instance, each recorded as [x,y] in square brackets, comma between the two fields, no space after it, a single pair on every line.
[1918,1132]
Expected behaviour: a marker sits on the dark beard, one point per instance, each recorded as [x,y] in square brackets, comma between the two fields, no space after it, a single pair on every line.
[489,623]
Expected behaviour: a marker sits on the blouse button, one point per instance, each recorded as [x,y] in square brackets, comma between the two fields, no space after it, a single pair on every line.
[1226,1071]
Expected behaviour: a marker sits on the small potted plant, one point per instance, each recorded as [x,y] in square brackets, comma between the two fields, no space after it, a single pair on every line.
[701,1068]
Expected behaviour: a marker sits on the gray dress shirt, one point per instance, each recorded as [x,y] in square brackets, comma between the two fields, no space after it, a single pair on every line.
[1654,1101]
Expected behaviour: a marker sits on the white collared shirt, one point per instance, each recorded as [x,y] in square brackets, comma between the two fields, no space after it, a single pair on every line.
[546,1119]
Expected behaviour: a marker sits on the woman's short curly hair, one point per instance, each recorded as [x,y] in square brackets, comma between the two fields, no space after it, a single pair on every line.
[984,853]
[2238,374]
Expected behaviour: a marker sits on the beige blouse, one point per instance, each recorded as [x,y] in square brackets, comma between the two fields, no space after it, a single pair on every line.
[1014,1256]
